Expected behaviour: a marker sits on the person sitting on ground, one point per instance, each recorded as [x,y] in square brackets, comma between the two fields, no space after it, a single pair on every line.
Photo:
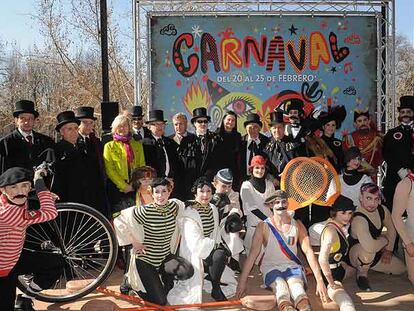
[281,268]
[155,240]
[15,217]
[201,243]
[228,204]
[141,180]
[352,177]
[369,247]
[404,202]
[334,249]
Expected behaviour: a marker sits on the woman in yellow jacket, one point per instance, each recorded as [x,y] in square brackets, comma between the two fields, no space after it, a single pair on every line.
[122,156]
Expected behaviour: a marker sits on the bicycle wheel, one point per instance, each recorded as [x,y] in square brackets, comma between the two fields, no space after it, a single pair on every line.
[86,243]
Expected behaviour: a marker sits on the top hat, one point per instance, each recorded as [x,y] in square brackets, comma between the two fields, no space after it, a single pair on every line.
[66,117]
[252,118]
[294,104]
[406,102]
[135,111]
[84,113]
[156,116]
[24,106]
[200,113]
[336,113]
[276,117]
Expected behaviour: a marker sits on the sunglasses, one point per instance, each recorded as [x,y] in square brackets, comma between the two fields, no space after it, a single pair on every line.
[202,121]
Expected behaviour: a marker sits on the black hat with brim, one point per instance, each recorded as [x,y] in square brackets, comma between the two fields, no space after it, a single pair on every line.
[406,102]
[15,175]
[253,118]
[294,104]
[135,111]
[336,113]
[200,113]
[85,113]
[276,117]
[156,116]
[24,106]
[66,117]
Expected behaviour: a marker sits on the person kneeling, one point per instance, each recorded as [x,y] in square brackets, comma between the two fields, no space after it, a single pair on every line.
[281,268]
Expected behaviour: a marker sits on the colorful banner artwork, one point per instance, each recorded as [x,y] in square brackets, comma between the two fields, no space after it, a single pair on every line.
[255,63]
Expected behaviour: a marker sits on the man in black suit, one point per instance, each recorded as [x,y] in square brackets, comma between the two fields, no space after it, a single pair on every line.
[92,150]
[198,153]
[161,151]
[253,143]
[24,147]
[398,148]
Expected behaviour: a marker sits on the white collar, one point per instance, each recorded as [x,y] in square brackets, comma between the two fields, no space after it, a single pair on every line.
[24,134]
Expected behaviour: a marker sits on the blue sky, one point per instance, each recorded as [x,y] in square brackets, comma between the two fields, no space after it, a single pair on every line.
[17,26]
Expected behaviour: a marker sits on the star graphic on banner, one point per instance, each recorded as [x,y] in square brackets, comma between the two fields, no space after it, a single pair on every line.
[196,31]
[292,30]
[333,69]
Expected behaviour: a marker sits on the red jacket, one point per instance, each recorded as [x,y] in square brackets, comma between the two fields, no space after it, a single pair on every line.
[14,221]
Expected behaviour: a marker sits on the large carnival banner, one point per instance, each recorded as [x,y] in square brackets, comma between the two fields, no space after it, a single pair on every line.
[256,63]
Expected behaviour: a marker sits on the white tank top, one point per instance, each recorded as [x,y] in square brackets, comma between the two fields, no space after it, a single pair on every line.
[410,212]
[273,257]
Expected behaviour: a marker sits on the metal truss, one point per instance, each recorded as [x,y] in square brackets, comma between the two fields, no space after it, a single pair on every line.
[384,10]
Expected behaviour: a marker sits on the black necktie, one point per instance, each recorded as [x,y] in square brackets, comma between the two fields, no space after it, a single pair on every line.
[139,136]
[161,156]
[29,139]
[202,142]
[253,150]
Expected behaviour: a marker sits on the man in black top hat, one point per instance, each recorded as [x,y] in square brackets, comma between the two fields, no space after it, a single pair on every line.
[198,153]
[398,149]
[253,143]
[161,151]
[24,147]
[281,149]
[139,132]
[75,178]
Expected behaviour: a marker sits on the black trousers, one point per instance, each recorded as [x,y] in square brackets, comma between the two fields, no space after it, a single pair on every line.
[46,269]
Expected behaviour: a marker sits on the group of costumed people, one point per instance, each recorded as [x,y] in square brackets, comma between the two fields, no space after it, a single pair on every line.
[186,207]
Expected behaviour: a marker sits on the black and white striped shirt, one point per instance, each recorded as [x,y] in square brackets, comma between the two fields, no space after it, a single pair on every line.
[159,225]
[207,219]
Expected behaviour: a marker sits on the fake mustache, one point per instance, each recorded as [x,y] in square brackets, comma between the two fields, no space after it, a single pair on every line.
[293,118]
[19,196]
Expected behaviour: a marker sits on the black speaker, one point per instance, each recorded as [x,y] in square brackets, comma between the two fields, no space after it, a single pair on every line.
[109,110]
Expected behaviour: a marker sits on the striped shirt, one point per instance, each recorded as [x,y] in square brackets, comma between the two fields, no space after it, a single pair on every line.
[159,225]
[14,221]
[207,219]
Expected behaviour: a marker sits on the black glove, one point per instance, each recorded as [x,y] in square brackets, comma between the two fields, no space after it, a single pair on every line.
[220,200]
[233,223]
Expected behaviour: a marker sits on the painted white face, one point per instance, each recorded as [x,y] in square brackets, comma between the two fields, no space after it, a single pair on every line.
[201,126]
[204,195]
[161,194]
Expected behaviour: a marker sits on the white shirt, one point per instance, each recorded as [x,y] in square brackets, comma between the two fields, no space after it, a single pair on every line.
[24,134]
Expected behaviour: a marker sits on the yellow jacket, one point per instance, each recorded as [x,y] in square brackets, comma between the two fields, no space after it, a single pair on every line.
[115,159]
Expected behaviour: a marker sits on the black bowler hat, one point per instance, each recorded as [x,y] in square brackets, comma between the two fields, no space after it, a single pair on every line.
[294,104]
[156,116]
[406,102]
[135,111]
[200,113]
[276,117]
[24,106]
[84,113]
[66,117]
[15,175]
[253,118]
[343,203]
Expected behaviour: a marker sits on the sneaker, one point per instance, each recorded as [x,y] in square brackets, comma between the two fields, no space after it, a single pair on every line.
[363,283]
[23,304]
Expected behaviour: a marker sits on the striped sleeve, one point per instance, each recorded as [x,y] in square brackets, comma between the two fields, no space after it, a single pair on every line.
[140,215]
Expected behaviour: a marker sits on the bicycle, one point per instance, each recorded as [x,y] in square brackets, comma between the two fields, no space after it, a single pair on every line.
[86,243]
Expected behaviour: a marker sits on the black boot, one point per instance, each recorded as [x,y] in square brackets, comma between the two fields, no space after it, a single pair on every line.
[23,304]
[125,287]
[216,292]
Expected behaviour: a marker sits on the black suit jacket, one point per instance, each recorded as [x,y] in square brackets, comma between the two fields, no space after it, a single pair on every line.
[16,151]
[243,153]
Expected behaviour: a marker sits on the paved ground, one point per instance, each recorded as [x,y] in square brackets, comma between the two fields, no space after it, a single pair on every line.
[391,293]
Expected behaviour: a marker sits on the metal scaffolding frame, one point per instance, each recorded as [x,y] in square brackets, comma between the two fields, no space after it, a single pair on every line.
[385,11]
